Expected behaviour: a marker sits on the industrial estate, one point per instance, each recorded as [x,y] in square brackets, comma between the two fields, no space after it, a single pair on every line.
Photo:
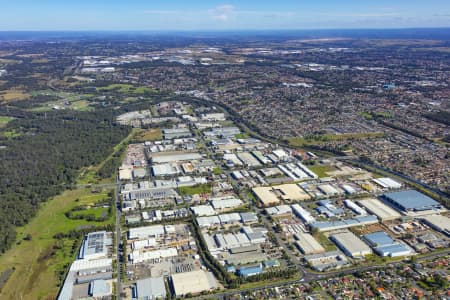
[278,166]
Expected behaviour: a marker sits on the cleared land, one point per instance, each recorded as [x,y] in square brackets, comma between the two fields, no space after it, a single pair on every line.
[126,89]
[153,134]
[13,95]
[38,257]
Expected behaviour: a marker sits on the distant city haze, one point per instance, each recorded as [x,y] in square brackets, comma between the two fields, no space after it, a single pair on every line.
[113,15]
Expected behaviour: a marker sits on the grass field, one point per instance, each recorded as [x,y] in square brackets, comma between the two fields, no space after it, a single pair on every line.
[144,135]
[126,89]
[13,95]
[65,100]
[5,120]
[196,189]
[97,212]
[321,170]
[38,261]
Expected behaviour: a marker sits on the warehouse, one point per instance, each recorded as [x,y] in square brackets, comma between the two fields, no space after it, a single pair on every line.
[208,221]
[356,209]
[411,201]
[161,158]
[345,223]
[146,232]
[279,211]
[438,222]
[303,214]
[249,160]
[95,245]
[378,208]
[292,192]
[137,257]
[326,261]
[384,245]
[307,244]
[328,190]
[149,289]
[250,271]
[165,170]
[266,195]
[232,159]
[351,245]
[203,210]
[193,282]
[387,183]
[228,202]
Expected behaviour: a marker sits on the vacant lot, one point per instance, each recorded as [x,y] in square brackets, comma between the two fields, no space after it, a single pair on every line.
[38,257]
[153,134]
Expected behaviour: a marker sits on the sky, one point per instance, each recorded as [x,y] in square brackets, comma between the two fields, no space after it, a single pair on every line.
[210,15]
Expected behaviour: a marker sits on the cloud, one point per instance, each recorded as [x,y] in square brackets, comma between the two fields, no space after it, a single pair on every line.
[222,12]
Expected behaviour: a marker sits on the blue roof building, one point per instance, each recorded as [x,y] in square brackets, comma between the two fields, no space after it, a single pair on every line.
[384,245]
[250,271]
[411,201]
[379,238]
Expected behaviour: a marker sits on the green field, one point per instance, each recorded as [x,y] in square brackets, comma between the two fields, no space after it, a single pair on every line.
[126,89]
[321,170]
[196,189]
[5,120]
[64,101]
[39,260]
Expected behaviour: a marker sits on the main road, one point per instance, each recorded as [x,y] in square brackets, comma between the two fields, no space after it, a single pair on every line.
[118,243]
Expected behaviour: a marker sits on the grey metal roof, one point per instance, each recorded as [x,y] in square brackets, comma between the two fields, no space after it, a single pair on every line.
[411,200]
[150,288]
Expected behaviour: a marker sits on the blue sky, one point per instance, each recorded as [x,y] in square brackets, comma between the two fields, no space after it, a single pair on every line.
[220,15]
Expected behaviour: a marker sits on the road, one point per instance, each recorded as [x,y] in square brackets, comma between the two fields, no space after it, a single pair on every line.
[118,240]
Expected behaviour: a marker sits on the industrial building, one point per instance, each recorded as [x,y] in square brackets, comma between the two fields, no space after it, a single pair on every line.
[95,245]
[387,183]
[307,244]
[279,211]
[292,192]
[378,208]
[146,232]
[222,203]
[384,245]
[171,157]
[351,245]
[100,288]
[326,261]
[193,282]
[438,222]
[165,169]
[203,210]
[266,196]
[303,214]
[345,223]
[411,201]
[149,289]
[249,160]
[250,270]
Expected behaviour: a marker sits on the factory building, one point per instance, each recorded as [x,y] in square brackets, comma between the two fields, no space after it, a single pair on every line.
[266,196]
[411,201]
[307,244]
[438,222]
[387,183]
[193,282]
[384,245]
[342,224]
[378,208]
[149,289]
[351,245]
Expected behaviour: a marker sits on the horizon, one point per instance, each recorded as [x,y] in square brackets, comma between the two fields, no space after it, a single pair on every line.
[175,15]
